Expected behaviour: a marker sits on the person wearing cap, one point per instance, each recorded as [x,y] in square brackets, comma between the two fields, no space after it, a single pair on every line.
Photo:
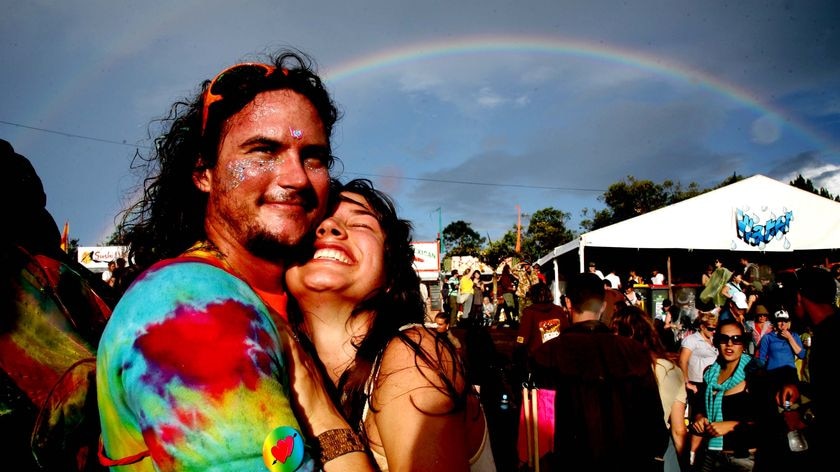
[737,307]
[782,347]
[777,355]
[810,293]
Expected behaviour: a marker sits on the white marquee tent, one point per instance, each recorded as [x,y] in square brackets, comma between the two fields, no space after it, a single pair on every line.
[754,214]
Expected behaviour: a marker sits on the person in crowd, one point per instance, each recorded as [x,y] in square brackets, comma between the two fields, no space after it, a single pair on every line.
[488,309]
[696,353]
[197,368]
[776,355]
[737,307]
[506,286]
[665,326]
[607,406]
[733,285]
[541,322]
[726,418]
[656,277]
[630,294]
[427,301]
[593,269]
[634,323]
[752,275]
[453,282]
[108,274]
[356,304]
[613,300]
[466,292]
[811,293]
[781,347]
[442,328]
[53,312]
[615,281]
[758,326]
[121,276]
[477,310]
[538,272]
[527,278]
[835,272]
[711,294]
[635,278]
[707,275]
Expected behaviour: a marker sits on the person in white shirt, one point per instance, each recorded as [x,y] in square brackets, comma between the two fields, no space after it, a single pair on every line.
[658,278]
[595,270]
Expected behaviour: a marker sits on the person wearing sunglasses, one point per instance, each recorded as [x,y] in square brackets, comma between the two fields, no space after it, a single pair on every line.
[727,416]
[696,353]
[198,368]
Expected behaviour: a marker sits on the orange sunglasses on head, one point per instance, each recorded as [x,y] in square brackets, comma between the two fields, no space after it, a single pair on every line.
[216,89]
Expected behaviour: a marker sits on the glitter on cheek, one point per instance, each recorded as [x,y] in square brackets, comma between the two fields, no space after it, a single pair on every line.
[241,170]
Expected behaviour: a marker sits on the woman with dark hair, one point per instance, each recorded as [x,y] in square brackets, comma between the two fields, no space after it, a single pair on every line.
[632,322]
[358,306]
[728,413]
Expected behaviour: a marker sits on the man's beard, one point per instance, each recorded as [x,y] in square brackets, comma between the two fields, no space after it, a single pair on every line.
[266,246]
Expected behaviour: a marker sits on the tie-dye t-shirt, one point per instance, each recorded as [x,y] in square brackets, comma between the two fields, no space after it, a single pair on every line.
[190,368]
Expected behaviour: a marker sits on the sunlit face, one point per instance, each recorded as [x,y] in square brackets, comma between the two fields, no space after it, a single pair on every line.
[271,180]
[730,342]
[442,325]
[349,256]
[708,330]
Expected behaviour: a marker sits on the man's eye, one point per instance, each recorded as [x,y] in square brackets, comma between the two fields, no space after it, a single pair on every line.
[318,160]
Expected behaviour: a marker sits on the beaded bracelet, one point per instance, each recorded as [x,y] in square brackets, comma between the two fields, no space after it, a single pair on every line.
[337,442]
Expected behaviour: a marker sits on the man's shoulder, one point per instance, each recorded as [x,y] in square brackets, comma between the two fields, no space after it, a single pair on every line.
[593,353]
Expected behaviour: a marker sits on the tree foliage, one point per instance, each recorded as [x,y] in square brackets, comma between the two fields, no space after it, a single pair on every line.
[546,230]
[461,240]
[499,250]
[631,197]
[806,184]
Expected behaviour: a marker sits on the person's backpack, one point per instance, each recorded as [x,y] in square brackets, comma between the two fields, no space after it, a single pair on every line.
[53,313]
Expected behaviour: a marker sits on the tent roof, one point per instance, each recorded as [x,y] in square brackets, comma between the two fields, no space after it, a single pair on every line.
[754,214]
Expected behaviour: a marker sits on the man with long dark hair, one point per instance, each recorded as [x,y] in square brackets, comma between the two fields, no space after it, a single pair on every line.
[194,368]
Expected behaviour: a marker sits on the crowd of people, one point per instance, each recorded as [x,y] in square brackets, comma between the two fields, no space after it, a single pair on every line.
[273,318]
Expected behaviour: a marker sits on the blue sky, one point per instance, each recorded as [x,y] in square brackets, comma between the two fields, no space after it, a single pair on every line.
[461,110]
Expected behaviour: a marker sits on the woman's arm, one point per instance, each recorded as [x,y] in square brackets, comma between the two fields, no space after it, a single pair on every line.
[413,411]
[679,431]
[685,355]
[319,412]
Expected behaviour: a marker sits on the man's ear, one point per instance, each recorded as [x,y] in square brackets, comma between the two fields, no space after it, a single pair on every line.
[201,176]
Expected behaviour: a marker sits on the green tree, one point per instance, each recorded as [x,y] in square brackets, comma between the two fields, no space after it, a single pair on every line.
[807,185]
[546,230]
[461,240]
[631,197]
[499,250]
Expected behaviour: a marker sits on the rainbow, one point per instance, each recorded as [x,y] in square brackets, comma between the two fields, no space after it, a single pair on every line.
[405,54]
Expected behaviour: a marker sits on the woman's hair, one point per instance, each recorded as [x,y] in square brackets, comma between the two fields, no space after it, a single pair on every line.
[397,303]
[169,215]
[632,322]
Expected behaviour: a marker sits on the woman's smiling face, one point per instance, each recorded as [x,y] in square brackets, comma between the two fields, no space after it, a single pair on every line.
[349,254]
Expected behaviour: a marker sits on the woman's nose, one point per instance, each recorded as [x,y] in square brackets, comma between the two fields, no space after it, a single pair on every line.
[329,227]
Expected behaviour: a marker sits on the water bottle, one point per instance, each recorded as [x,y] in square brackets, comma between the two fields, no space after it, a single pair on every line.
[505,403]
[796,440]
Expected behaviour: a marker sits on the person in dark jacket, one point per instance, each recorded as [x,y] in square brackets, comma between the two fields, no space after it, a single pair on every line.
[607,407]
